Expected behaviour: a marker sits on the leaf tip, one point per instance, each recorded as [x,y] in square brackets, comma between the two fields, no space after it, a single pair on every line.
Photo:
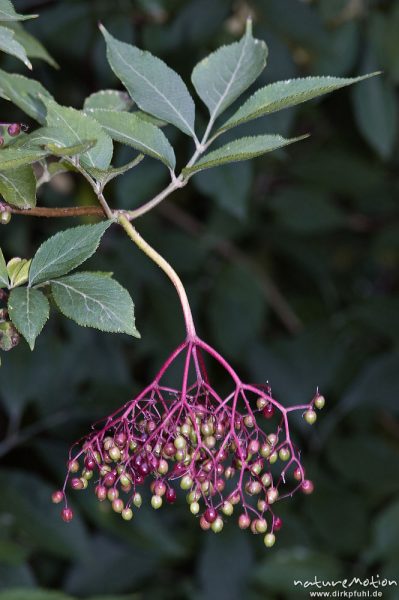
[248,26]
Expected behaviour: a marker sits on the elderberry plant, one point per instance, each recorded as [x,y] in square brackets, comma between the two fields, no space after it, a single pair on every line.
[230,448]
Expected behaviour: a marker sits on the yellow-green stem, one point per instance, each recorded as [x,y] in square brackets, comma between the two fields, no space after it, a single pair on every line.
[166,268]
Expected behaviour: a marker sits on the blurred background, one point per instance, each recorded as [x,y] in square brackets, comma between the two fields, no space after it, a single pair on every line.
[291,263]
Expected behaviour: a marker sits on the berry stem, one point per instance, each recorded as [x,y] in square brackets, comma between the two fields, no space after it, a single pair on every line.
[166,268]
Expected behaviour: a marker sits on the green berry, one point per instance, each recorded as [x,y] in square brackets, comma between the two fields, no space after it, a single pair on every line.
[310,416]
[5,217]
[319,402]
[156,502]
[137,500]
[127,514]
[217,525]
[194,508]
[269,540]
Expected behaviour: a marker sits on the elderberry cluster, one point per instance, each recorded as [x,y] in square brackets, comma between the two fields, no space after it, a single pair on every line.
[230,453]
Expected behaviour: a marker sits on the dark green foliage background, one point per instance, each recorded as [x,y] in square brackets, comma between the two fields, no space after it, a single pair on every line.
[320,221]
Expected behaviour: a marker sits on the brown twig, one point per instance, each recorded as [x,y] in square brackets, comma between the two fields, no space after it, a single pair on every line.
[74,211]
[230,252]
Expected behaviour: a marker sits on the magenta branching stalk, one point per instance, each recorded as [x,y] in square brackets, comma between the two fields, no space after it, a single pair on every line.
[229,451]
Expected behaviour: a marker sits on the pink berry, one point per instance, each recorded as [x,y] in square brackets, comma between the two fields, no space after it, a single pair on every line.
[307,486]
[14,129]
[67,515]
[57,497]
[210,515]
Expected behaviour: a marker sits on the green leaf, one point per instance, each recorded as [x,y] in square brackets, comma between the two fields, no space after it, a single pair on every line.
[284,94]
[18,187]
[224,75]
[376,114]
[18,271]
[104,176]
[95,300]
[8,13]
[70,150]
[109,99]
[81,128]
[25,93]
[154,86]
[131,130]
[4,283]
[65,251]
[33,48]
[29,310]
[9,45]
[11,158]
[241,149]
[56,140]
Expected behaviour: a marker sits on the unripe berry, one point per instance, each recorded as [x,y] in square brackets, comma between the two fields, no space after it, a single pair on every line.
[163,466]
[261,525]
[159,488]
[249,421]
[204,524]
[186,482]
[261,403]
[194,508]
[114,453]
[284,454]
[127,514]
[125,481]
[73,466]
[101,493]
[227,508]
[180,443]
[210,441]
[272,495]
[90,463]
[273,457]
[120,440]
[180,455]
[193,496]
[217,525]
[112,494]
[319,402]
[244,521]
[117,505]
[169,449]
[67,515]
[229,473]
[298,474]
[310,416]
[272,437]
[137,500]
[5,217]
[235,498]
[57,497]
[265,450]
[77,483]
[253,446]
[307,486]
[156,502]
[266,479]
[261,505]
[269,540]
[278,523]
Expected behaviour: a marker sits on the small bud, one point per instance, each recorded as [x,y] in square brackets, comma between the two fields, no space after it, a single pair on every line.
[319,402]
